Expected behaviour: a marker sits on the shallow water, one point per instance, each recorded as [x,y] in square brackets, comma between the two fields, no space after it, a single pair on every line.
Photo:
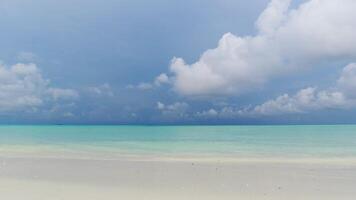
[268,141]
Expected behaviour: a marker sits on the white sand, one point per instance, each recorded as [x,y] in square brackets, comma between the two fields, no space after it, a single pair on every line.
[50,178]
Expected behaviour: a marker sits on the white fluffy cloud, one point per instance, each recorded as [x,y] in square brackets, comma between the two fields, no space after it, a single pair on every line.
[23,87]
[347,81]
[159,81]
[162,79]
[305,100]
[287,40]
[341,96]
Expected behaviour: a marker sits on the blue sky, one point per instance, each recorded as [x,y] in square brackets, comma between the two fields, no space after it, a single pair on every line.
[98,62]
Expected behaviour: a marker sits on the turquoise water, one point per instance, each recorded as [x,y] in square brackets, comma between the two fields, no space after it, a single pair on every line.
[285,141]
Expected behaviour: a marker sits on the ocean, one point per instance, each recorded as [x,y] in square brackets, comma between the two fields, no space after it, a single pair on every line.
[295,141]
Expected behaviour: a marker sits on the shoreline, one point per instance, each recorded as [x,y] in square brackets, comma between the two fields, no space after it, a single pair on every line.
[203,158]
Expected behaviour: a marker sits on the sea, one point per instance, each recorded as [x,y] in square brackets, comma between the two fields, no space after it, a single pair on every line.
[290,141]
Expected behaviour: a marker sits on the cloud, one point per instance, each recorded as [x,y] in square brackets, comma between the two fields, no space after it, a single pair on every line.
[102,90]
[347,81]
[22,87]
[340,96]
[287,41]
[177,109]
[226,112]
[305,100]
[273,16]
[159,81]
[162,79]
[207,113]
[144,86]
[160,106]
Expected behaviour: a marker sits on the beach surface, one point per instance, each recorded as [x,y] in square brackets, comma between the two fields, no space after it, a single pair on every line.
[55,177]
[177,162]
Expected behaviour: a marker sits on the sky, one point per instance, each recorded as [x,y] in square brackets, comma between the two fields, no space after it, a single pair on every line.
[177,62]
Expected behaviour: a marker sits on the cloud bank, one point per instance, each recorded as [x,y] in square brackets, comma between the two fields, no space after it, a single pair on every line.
[22,87]
[287,41]
[340,96]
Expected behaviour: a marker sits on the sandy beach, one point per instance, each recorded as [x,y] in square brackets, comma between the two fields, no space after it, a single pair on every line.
[36,178]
